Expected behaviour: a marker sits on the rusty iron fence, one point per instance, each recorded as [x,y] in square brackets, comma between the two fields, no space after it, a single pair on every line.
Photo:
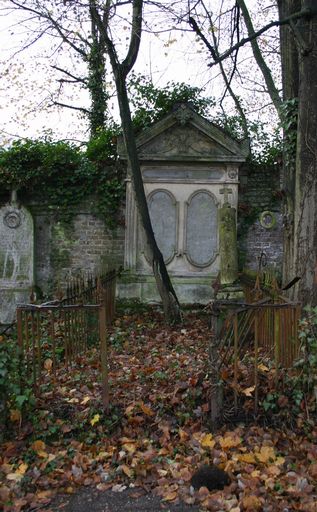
[263,330]
[266,332]
[56,333]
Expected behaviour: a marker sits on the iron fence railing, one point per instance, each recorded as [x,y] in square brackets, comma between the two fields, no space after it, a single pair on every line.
[56,333]
[265,331]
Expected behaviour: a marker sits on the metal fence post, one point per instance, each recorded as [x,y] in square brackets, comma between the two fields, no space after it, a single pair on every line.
[104,357]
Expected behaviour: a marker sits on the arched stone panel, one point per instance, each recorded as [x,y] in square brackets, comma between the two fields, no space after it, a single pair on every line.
[201,226]
[164,217]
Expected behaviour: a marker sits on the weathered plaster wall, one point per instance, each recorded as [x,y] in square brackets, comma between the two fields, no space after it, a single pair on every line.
[259,191]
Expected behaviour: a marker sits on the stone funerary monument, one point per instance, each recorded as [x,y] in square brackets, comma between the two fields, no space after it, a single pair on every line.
[190,171]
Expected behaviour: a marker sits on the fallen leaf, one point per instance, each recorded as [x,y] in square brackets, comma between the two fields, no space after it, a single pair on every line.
[129,447]
[22,468]
[248,391]
[38,446]
[126,470]
[147,411]
[249,458]
[251,503]
[15,415]
[48,363]
[263,368]
[207,441]
[170,496]
[230,441]
[95,419]
[266,454]
[19,473]
[16,477]
[118,488]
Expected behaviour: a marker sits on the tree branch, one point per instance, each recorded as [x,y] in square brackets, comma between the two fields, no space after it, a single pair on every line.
[81,109]
[297,15]
[272,90]
[135,38]
[75,78]
[46,16]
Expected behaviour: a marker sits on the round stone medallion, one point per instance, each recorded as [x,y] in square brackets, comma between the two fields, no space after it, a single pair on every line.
[12,219]
[232,174]
[267,219]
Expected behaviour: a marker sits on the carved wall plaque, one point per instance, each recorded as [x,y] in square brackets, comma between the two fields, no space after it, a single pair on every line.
[201,229]
[164,218]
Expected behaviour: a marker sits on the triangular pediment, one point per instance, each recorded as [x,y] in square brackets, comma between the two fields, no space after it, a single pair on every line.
[184,135]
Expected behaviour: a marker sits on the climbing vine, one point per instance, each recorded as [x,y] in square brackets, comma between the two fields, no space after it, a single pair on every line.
[62,175]
[289,115]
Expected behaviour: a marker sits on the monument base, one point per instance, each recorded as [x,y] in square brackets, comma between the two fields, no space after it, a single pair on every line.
[189,290]
[231,292]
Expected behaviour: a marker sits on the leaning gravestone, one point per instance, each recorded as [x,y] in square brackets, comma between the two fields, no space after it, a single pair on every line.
[16,258]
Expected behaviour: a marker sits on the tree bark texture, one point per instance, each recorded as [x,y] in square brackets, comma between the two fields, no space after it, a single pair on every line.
[290,82]
[305,204]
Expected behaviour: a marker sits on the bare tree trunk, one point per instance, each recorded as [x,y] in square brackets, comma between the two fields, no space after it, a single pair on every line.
[271,88]
[120,71]
[165,288]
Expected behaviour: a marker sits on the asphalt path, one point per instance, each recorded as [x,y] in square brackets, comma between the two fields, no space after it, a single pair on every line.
[129,500]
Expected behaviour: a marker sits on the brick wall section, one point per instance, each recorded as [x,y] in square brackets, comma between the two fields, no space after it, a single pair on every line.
[81,246]
[258,189]
[95,247]
[269,241]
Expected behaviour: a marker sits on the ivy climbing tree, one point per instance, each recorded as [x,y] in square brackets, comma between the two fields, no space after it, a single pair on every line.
[71,28]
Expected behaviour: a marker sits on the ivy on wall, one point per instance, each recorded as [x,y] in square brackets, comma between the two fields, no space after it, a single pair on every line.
[61,175]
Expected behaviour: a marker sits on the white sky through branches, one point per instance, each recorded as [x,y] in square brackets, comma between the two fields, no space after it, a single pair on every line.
[28,82]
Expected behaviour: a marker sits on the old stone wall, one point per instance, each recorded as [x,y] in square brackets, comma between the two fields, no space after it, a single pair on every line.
[260,219]
[85,244]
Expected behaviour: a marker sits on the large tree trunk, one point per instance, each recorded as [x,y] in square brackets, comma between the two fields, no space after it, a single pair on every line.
[120,71]
[165,288]
[305,204]
[290,76]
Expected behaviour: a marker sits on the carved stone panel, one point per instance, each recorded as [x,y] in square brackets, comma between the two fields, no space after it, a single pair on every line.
[164,218]
[16,259]
[185,141]
[201,229]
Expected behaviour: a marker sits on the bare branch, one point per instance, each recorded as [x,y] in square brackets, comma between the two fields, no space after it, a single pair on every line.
[272,90]
[65,105]
[75,78]
[135,38]
[307,12]
[47,16]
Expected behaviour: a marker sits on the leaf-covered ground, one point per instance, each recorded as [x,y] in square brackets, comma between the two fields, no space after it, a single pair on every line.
[156,434]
